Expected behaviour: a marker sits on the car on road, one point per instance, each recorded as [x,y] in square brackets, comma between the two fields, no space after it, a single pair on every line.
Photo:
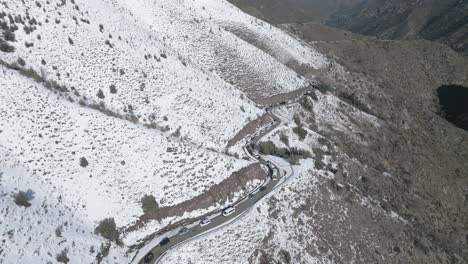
[205,222]
[257,156]
[254,192]
[148,258]
[263,188]
[184,230]
[274,174]
[228,211]
[164,241]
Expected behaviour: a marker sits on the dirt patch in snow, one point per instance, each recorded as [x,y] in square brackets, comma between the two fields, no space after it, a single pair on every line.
[250,128]
[218,193]
[284,97]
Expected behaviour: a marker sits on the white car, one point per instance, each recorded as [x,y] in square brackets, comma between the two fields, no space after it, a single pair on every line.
[205,222]
[274,174]
[184,230]
[228,211]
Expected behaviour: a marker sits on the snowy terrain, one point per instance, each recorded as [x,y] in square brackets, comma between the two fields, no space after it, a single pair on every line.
[286,226]
[45,138]
[236,243]
[105,101]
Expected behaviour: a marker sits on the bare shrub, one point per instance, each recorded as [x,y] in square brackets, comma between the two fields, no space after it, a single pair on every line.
[58,231]
[23,198]
[112,89]
[301,132]
[100,94]
[5,47]
[83,162]
[108,229]
[21,62]
[149,204]
[284,138]
[62,256]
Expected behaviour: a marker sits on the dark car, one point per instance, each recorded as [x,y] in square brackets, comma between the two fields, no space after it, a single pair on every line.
[263,188]
[149,257]
[164,241]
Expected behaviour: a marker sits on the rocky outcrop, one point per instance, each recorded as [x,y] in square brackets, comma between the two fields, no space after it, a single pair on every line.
[445,21]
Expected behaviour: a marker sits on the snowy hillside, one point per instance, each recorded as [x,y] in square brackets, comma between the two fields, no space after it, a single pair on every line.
[105,101]
[287,225]
[164,63]
[46,137]
[241,242]
[149,79]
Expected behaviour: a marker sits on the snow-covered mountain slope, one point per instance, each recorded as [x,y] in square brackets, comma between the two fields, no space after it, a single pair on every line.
[165,60]
[159,90]
[202,32]
[286,226]
[46,137]
[105,101]
[380,176]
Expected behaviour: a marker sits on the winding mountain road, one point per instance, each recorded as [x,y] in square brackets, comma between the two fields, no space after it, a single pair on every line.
[217,220]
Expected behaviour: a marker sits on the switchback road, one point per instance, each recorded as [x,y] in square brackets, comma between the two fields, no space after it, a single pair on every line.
[217,220]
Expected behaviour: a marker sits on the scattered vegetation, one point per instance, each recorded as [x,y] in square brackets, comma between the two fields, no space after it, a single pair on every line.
[23,198]
[32,74]
[83,162]
[58,231]
[301,132]
[312,95]
[323,88]
[107,42]
[292,154]
[103,252]
[149,204]
[100,94]
[21,62]
[112,89]
[177,132]
[354,100]
[297,119]
[307,104]
[62,256]
[9,35]
[5,47]
[284,138]
[108,230]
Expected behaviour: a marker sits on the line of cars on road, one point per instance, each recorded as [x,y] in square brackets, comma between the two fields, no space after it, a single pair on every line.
[226,212]
[272,171]
[184,230]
